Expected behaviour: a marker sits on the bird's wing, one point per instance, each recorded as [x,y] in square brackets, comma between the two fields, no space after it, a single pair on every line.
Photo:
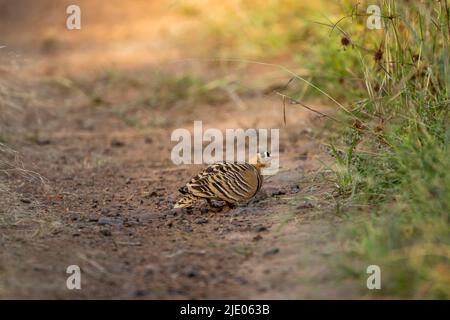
[226,181]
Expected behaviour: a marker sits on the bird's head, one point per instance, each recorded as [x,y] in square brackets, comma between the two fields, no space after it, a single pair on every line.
[263,159]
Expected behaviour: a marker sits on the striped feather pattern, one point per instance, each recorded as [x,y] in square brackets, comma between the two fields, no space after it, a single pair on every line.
[225,181]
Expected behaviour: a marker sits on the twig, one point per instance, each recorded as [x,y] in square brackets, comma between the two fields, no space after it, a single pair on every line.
[293,101]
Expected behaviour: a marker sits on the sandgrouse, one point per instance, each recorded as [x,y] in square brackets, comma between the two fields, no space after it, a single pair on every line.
[225,181]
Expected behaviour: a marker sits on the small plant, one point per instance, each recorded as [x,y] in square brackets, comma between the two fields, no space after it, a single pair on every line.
[346,176]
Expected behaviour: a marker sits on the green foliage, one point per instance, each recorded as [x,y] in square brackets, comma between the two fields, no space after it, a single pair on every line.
[332,66]
[257,28]
[397,159]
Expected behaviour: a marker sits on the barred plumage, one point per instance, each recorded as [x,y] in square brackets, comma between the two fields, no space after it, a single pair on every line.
[224,181]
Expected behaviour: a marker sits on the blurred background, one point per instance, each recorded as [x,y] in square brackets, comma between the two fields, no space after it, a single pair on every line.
[86,176]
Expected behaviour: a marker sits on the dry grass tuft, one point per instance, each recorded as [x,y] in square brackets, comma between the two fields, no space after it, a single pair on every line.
[19,217]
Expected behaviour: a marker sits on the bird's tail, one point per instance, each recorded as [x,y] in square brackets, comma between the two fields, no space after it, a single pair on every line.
[185,201]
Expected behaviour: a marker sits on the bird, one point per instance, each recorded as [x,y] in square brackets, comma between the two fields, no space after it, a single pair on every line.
[230,182]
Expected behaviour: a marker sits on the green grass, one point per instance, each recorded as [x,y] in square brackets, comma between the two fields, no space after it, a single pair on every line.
[392,150]
[255,28]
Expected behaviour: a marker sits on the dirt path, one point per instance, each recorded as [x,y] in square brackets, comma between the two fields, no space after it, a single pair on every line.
[111,200]
[111,186]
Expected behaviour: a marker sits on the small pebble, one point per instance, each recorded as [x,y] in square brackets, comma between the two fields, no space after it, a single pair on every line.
[106,232]
[117,143]
[42,141]
[271,252]
[110,221]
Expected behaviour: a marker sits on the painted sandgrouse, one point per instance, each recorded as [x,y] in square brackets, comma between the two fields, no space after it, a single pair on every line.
[225,181]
